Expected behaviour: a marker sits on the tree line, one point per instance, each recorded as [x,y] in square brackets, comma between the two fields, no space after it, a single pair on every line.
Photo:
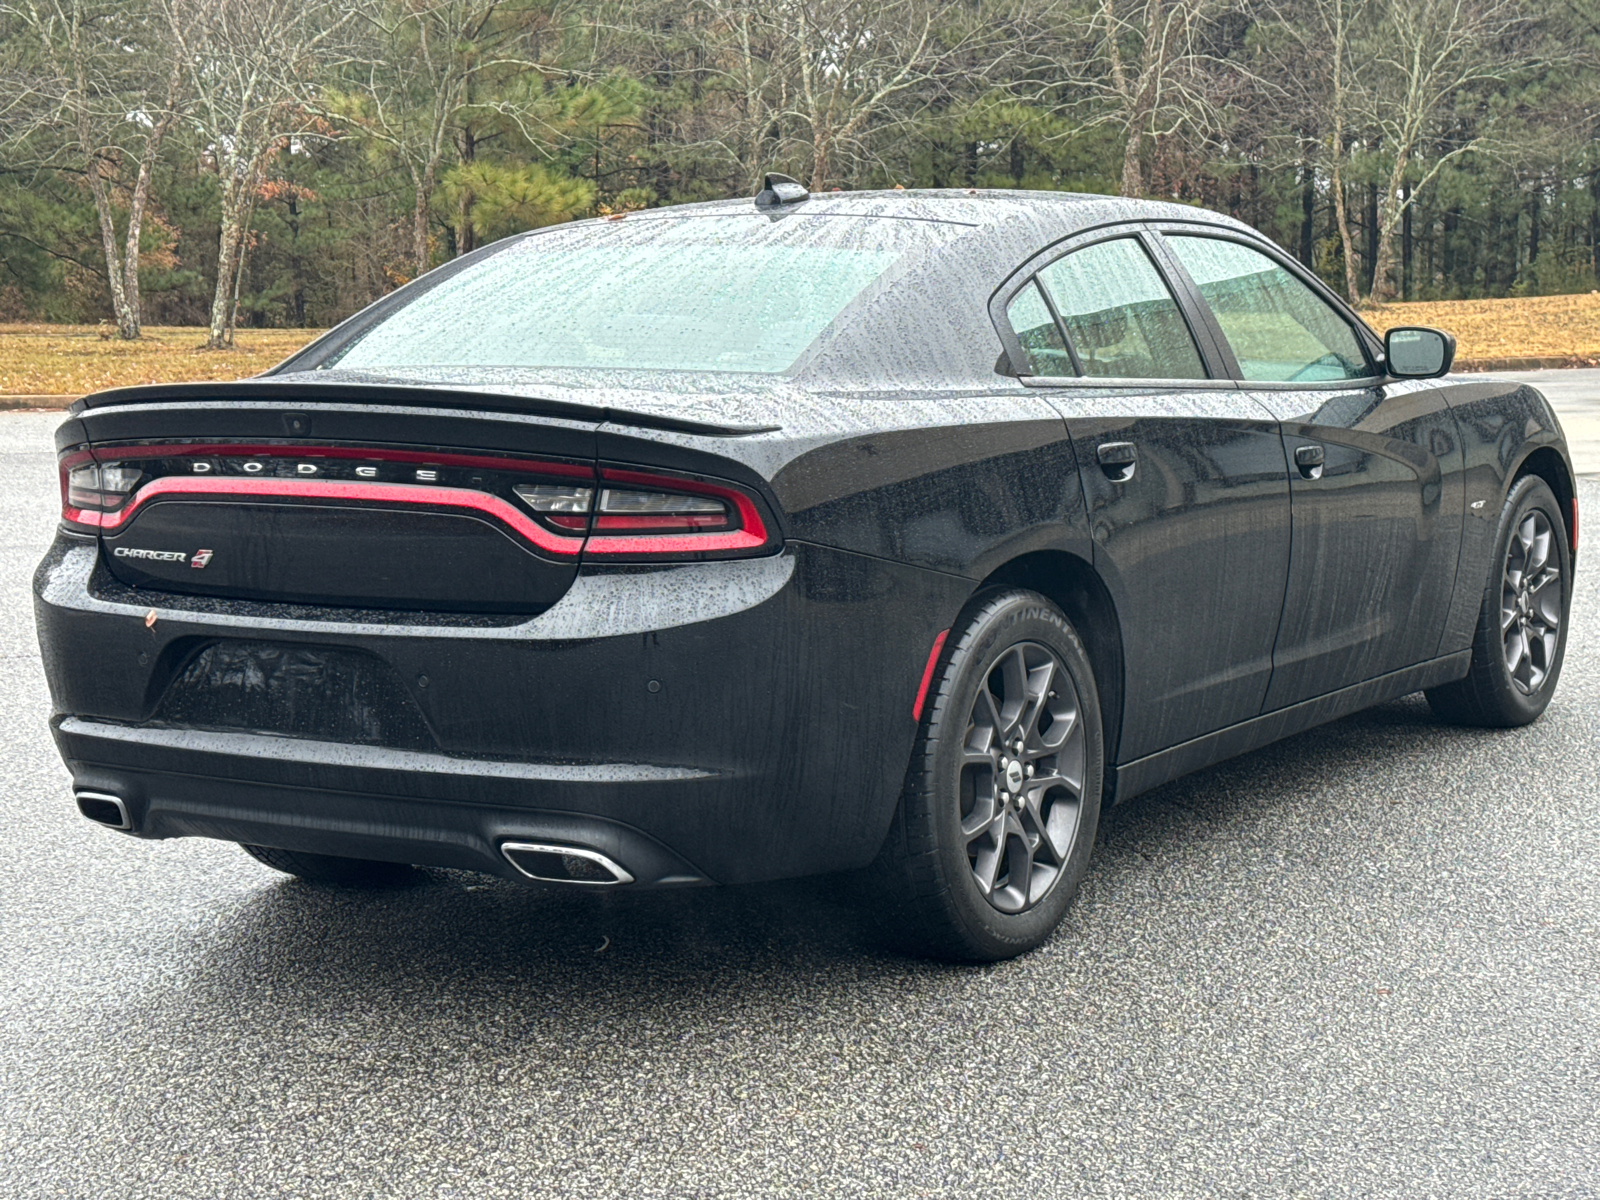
[286,162]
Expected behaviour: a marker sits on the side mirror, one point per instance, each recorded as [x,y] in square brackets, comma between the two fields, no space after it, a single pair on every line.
[1417,352]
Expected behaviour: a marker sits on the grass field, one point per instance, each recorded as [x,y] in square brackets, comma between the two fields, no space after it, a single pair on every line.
[69,360]
[1534,327]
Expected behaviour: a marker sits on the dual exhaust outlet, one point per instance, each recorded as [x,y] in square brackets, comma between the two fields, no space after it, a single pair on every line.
[545,862]
[564,864]
[104,809]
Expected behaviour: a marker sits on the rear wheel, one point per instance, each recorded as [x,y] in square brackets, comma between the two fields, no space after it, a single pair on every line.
[329,868]
[1002,799]
[1521,635]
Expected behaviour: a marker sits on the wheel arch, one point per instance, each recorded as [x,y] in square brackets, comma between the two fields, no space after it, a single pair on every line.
[1546,462]
[1072,584]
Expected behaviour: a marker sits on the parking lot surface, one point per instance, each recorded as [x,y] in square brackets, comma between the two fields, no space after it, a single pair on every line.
[1362,962]
[1575,395]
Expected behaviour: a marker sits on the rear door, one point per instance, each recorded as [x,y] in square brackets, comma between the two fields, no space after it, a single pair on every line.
[1184,478]
[1374,469]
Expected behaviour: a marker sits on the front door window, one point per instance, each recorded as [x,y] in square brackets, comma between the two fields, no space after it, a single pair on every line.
[1280,330]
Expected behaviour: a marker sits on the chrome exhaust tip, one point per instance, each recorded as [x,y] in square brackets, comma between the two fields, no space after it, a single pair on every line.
[564,864]
[104,809]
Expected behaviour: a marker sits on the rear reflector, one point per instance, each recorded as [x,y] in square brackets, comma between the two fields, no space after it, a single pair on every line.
[927,675]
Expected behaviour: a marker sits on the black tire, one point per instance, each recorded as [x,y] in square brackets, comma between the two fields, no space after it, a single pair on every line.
[328,868]
[928,878]
[1493,695]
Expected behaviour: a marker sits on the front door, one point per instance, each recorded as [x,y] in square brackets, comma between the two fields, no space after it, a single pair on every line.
[1374,475]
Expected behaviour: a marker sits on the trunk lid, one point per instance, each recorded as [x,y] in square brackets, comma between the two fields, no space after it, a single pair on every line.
[405,498]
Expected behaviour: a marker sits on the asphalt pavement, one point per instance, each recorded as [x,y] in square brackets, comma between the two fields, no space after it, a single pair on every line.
[1363,962]
[1575,395]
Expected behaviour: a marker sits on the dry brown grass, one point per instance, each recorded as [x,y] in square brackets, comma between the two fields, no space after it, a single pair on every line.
[1531,327]
[71,360]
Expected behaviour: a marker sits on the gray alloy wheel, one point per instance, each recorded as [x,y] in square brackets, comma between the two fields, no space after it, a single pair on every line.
[1521,634]
[1022,777]
[997,820]
[1530,603]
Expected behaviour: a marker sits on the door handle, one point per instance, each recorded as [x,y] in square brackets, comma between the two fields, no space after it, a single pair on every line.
[1118,460]
[1310,459]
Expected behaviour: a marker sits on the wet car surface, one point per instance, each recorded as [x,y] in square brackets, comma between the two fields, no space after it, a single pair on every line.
[1359,962]
[892,532]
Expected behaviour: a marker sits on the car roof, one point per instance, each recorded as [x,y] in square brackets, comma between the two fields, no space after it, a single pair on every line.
[981,207]
[927,322]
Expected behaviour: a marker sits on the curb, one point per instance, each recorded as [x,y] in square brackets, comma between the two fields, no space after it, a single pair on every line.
[14,403]
[1562,362]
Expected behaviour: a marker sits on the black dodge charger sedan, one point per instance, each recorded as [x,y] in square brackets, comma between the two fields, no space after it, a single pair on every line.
[887,531]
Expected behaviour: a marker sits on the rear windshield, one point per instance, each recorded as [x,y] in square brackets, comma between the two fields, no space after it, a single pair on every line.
[741,292]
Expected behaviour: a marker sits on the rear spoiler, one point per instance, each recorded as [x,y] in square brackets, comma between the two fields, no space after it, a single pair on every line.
[289,391]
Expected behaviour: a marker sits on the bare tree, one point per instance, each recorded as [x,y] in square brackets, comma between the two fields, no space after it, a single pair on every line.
[254,67]
[1145,67]
[1317,60]
[1430,56]
[816,79]
[420,71]
[105,74]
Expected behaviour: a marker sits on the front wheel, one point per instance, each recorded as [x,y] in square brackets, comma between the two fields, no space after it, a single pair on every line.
[1521,634]
[1002,800]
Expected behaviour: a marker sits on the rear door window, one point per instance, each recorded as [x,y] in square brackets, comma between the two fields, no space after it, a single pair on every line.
[1119,315]
[1280,330]
[1039,334]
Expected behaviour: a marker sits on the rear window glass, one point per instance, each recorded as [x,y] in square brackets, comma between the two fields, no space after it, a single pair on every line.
[725,293]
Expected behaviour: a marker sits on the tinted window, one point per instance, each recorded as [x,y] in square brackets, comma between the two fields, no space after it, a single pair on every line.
[1280,330]
[1041,338]
[1122,320]
[724,293]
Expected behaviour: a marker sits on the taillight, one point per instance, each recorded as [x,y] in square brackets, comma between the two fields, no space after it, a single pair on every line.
[89,488]
[647,515]
[621,515]
[564,506]
[660,512]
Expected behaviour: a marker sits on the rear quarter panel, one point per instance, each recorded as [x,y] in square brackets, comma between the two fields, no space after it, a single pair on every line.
[959,484]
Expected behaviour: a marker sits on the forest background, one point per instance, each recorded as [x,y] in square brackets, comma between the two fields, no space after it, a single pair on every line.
[283,163]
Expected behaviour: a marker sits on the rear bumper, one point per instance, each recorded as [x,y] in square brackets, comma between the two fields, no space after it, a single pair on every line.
[369,802]
[713,722]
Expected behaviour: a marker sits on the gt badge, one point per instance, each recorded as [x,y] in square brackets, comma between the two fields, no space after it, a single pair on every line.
[200,559]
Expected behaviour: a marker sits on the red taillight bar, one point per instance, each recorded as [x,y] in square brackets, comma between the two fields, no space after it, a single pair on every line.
[688,535]
[322,489]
